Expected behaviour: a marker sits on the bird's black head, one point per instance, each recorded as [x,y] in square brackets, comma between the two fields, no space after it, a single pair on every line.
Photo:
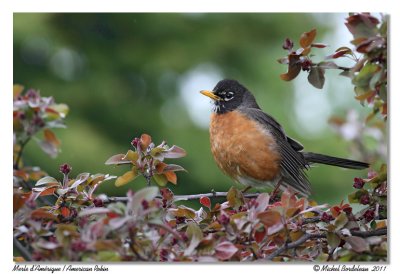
[228,95]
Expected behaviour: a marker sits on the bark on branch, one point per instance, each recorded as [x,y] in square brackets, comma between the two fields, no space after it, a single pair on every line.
[184,197]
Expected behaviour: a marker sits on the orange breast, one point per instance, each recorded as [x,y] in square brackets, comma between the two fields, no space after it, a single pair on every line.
[243,148]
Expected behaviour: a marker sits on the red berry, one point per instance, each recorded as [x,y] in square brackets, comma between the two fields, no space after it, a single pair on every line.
[348,210]
[326,217]
[135,142]
[98,202]
[180,220]
[223,219]
[358,183]
[65,168]
[364,199]
[288,44]
[78,246]
[369,215]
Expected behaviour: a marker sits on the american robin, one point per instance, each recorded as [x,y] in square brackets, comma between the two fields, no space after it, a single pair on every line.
[252,148]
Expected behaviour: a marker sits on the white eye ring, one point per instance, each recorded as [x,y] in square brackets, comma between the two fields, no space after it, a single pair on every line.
[229,96]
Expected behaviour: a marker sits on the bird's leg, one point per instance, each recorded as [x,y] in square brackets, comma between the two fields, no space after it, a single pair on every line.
[275,191]
[246,189]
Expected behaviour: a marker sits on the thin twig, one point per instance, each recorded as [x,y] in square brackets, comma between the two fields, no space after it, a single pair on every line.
[294,244]
[18,158]
[22,250]
[366,234]
[310,220]
[185,197]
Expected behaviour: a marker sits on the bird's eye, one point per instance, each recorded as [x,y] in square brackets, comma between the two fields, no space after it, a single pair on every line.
[228,96]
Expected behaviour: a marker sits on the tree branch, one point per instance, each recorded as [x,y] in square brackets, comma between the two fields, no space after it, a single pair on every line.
[366,234]
[19,155]
[184,197]
[294,244]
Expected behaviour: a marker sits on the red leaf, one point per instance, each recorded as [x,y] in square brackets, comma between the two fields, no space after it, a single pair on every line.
[112,215]
[259,234]
[49,190]
[167,194]
[205,201]
[307,38]
[335,210]
[288,199]
[65,211]
[145,141]
[51,137]
[294,68]
[160,167]
[225,250]
[270,217]
[42,214]
[171,176]
[19,200]
[318,45]
[340,52]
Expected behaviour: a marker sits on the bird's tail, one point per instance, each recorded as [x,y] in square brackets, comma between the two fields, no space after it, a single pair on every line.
[333,161]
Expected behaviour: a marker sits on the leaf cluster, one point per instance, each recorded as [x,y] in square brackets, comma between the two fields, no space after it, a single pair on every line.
[369,71]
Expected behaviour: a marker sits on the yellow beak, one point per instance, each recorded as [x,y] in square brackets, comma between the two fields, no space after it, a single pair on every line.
[210,94]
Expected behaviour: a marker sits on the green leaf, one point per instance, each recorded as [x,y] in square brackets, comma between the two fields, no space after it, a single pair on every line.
[183,211]
[174,152]
[62,109]
[355,196]
[373,224]
[80,179]
[47,180]
[363,78]
[126,178]
[157,153]
[160,179]
[316,77]
[108,256]
[195,235]
[172,167]
[235,197]
[327,65]
[341,221]
[132,156]
[117,160]
[333,239]
[17,89]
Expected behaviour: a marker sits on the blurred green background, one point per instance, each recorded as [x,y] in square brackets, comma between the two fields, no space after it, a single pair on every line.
[127,74]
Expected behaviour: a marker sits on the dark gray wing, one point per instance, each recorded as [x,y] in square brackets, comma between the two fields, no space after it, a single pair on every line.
[295,144]
[293,162]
